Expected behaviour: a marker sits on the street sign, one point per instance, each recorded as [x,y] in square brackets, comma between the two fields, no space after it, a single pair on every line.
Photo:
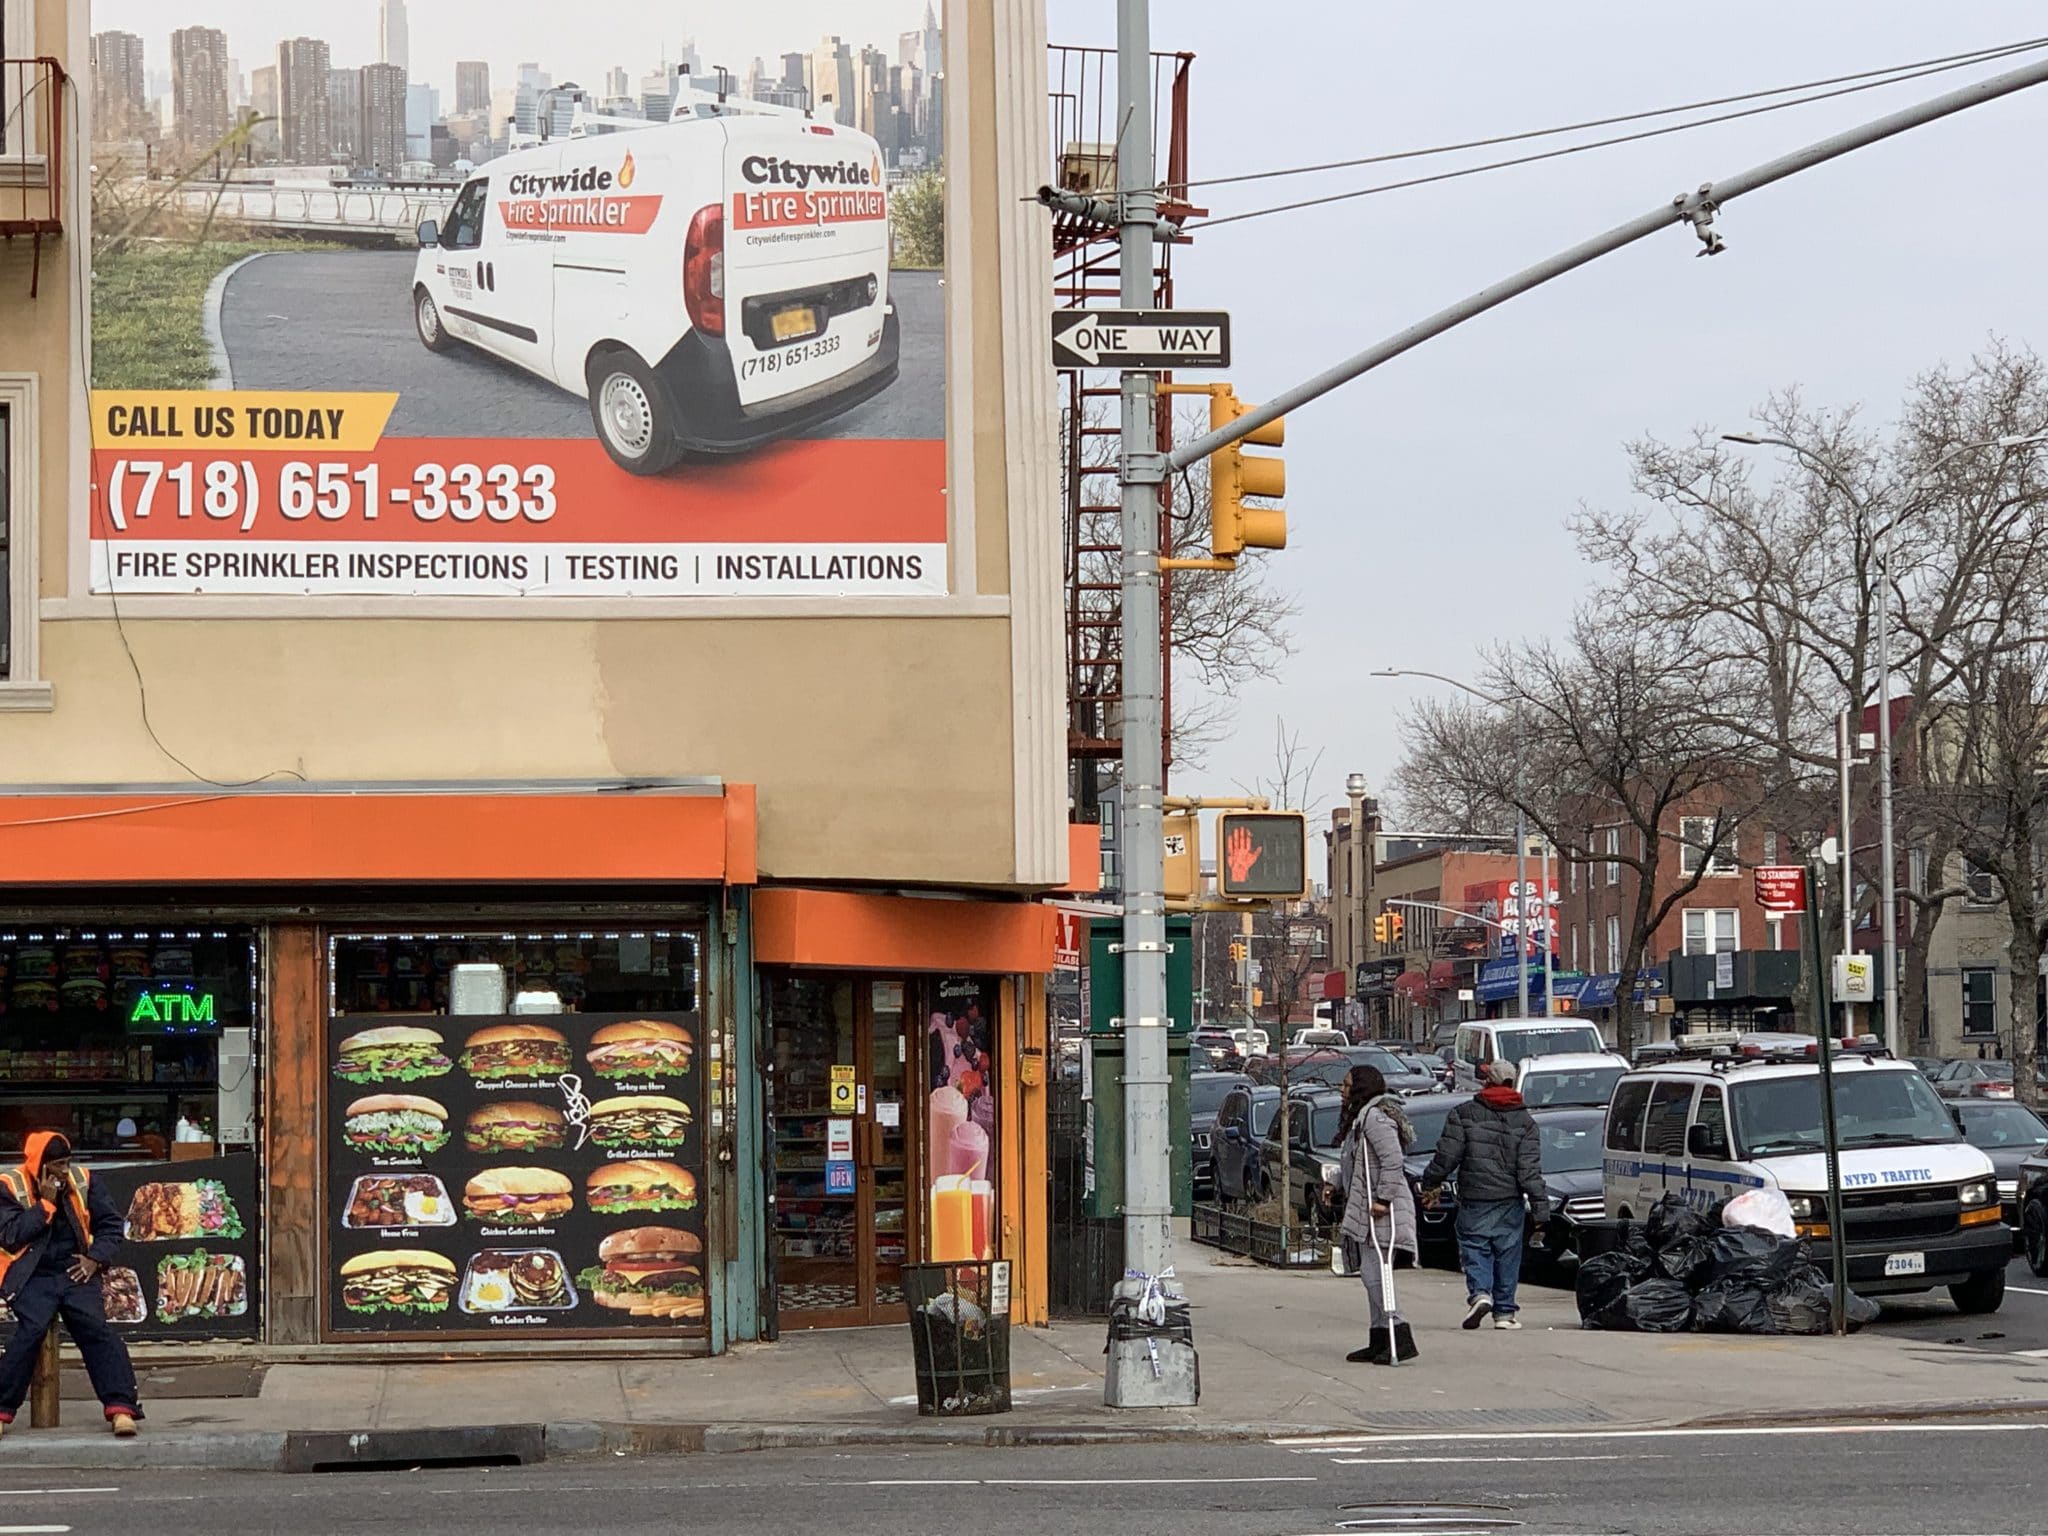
[1855,979]
[1149,339]
[1780,887]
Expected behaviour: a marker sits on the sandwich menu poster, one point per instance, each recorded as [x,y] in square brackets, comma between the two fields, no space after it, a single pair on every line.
[188,1262]
[533,1174]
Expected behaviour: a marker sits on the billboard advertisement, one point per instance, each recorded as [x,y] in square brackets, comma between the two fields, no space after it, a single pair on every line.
[388,304]
[1506,908]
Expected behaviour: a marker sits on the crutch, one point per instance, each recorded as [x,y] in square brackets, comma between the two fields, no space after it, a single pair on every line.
[1385,1255]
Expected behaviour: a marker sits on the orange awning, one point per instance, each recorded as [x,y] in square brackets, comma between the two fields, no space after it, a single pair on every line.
[857,930]
[372,837]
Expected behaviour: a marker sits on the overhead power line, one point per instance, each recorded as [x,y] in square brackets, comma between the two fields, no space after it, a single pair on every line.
[1896,76]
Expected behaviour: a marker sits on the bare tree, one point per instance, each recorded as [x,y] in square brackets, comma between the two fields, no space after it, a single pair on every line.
[1618,729]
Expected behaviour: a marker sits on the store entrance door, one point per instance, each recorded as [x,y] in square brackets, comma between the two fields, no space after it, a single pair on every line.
[844,1149]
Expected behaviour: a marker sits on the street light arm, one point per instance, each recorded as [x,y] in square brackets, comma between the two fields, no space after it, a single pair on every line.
[1439,677]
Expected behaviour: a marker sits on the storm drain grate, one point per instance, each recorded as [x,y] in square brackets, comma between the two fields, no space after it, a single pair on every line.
[1485,1418]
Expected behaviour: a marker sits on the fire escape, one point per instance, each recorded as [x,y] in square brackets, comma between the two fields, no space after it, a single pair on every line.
[1085,274]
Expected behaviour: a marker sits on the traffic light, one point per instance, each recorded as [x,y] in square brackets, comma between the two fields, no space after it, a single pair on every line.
[1238,950]
[1382,929]
[1396,922]
[1262,855]
[1234,475]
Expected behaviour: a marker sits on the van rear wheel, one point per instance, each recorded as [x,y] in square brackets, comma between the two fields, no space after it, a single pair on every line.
[426,317]
[633,414]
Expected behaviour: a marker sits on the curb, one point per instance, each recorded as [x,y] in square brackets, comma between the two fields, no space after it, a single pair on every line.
[569,1439]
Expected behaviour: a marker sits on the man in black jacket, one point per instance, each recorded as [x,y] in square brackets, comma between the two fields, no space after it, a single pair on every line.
[1491,1146]
[58,1230]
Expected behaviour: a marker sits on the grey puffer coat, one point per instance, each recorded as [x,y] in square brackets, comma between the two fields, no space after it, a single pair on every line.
[1374,1147]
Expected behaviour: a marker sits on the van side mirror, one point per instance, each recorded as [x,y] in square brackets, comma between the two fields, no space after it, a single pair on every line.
[1704,1141]
[429,232]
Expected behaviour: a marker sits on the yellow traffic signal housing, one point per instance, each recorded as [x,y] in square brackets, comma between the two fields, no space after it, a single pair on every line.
[1379,928]
[1262,855]
[1183,864]
[1234,475]
[1397,921]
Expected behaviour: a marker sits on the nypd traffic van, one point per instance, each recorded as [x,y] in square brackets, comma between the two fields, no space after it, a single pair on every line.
[708,284]
[1920,1204]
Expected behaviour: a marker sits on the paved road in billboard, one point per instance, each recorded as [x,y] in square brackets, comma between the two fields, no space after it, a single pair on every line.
[343,320]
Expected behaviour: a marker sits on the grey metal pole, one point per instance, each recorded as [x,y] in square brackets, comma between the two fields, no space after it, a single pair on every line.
[1522,922]
[1838,1247]
[1697,208]
[1549,969]
[1843,758]
[1148,1196]
[1888,884]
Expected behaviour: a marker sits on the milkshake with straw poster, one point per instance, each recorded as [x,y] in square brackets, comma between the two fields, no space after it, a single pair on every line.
[961,1119]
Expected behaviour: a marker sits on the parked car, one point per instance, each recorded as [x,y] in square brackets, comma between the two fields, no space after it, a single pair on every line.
[1325,1065]
[1439,1073]
[1971,1078]
[1214,1050]
[1571,1152]
[1653,1053]
[1316,1187]
[1928,1065]
[1585,1079]
[1241,1122]
[1206,1093]
[1433,1224]
[1251,1040]
[1318,1036]
[1402,1076]
[2008,1134]
[2033,1196]
[1482,1040]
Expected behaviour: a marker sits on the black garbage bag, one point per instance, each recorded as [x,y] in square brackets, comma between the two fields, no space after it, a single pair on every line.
[1678,1237]
[1802,1302]
[1747,1256]
[1649,1306]
[1733,1307]
[1604,1277]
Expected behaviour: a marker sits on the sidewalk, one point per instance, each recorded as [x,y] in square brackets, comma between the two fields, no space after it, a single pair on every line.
[1272,1361]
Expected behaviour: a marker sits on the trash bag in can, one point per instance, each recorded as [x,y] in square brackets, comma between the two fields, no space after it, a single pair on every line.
[960,1336]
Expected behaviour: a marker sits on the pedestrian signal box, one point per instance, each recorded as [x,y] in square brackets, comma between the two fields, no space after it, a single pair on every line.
[1262,855]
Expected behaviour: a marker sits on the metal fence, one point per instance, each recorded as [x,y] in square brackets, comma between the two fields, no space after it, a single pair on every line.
[1085,1255]
[1302,1245]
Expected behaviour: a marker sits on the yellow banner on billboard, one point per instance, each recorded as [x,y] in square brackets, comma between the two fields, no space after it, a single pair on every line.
[243,419]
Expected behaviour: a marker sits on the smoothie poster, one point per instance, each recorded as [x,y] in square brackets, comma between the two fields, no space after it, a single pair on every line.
[960,1108]
[410,300]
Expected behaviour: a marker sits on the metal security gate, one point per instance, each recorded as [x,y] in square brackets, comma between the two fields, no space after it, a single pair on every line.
[1085,1255]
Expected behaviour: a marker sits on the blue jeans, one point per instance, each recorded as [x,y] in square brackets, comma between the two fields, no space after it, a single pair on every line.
[1490,1236]
[37,1306]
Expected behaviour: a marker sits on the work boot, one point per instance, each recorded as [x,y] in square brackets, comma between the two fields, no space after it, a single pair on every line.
[123,1424]
[1404,1342]
[1376,1352]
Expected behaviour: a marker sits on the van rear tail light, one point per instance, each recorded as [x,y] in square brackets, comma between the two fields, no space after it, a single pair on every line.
[704,269]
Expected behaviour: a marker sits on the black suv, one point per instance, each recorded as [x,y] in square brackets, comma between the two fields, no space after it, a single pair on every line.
[1242,1121]
[1206,1093]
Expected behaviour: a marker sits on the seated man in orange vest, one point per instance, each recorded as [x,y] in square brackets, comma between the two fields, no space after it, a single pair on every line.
[58,1230]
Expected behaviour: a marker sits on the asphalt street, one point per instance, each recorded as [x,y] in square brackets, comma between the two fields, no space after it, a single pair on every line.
[1905,1479]
[342,320]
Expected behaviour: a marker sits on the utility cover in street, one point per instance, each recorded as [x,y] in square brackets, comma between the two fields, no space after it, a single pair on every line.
[1141,338]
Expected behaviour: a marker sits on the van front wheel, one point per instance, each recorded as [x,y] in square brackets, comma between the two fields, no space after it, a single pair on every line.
[426,317]
[1980,1293]
[632,413]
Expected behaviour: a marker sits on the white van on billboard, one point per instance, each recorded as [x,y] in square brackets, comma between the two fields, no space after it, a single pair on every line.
[708,284]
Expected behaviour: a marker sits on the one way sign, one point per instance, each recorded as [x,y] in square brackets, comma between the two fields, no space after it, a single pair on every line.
[1141,338]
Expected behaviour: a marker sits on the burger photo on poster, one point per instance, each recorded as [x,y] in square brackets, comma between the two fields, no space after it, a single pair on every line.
[395,1124]
[643,1048]
[400,1053]
[515,1125]
[640,1186]
[515,1050]
[649,1272]
[397,1280]
[517,1197]
[640,1120]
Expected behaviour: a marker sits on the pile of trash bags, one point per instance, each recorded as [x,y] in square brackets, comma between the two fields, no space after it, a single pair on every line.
[1737,1268]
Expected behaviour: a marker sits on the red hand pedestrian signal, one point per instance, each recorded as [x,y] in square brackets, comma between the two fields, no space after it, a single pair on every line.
[1242,855]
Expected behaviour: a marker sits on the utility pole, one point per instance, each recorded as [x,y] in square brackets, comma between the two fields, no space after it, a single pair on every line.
[1549,968]
[1522,923]
[1148,1194]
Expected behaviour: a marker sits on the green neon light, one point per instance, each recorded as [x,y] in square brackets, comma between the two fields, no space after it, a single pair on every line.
[172,1008]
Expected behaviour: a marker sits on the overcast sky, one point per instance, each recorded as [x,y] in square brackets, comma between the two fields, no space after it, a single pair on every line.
[576,41]
[1427,501]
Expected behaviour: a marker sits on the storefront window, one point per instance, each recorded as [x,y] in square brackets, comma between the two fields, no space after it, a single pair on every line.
[122,1038]
[516,1133]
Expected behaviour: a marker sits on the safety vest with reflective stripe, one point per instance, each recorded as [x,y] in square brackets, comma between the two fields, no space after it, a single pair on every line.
[21,1189]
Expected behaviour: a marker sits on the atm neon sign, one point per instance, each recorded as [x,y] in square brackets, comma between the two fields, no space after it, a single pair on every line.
[172,1008]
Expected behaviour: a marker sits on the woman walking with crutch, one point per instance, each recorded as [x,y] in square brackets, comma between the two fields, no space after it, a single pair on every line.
[1379,1208]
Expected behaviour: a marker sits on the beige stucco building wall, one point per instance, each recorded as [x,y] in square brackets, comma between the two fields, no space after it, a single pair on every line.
[892,739]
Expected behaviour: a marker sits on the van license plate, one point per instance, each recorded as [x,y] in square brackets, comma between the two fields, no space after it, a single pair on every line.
[793,324]
[1905,1264]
